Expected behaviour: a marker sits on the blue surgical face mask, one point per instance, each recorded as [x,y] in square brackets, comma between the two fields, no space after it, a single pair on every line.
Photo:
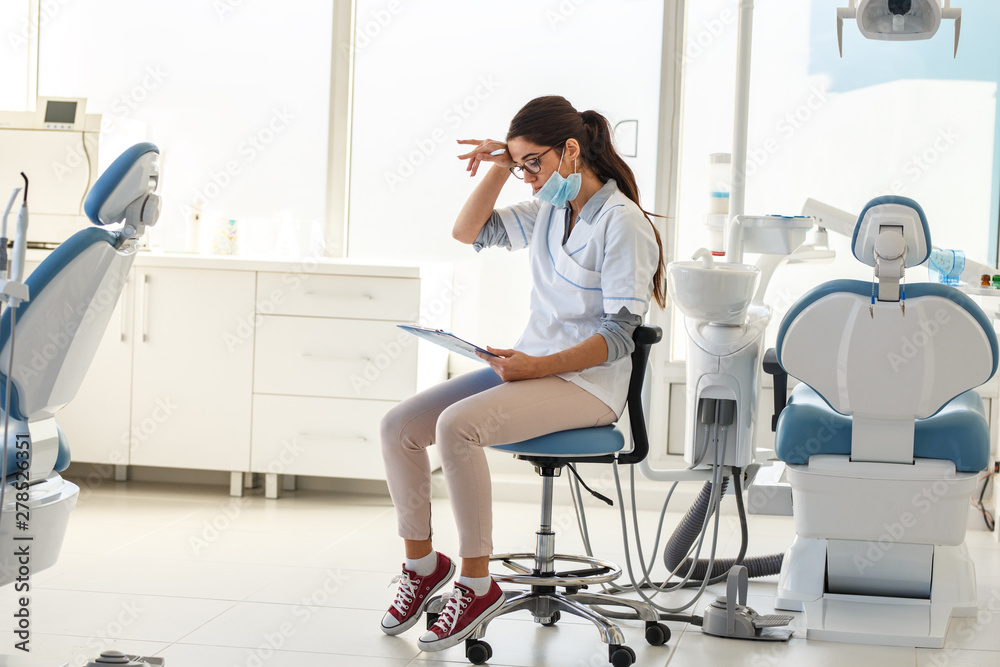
[559,191]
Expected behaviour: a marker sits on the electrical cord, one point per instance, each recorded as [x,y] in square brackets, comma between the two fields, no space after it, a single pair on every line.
[990,523]
[6,409]
[90,171]
[668,613]
[697,573]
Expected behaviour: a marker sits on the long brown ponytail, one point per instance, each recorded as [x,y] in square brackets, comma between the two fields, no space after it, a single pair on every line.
[551,120]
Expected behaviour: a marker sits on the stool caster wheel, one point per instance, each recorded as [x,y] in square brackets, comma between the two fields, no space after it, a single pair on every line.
[621,656]
[478,651]
[431,619]
[657,634]
[552,619]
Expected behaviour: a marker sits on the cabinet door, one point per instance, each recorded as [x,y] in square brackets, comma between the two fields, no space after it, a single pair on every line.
[192,369]
[96,421]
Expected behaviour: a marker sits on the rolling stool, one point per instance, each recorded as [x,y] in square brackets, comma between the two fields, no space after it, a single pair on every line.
[548,454]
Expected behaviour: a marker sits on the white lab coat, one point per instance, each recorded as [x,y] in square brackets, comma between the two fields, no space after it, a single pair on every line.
[607,264]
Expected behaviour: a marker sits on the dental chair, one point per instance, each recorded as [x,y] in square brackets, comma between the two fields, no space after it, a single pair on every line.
[549,454]
[883,440]
[53,340]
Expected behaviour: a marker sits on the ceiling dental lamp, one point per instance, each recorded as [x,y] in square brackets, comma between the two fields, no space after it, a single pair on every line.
[898,20]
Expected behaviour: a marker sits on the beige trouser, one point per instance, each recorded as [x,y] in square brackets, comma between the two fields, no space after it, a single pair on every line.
[462,416]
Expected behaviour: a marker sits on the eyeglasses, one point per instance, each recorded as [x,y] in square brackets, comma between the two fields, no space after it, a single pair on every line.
[531,165]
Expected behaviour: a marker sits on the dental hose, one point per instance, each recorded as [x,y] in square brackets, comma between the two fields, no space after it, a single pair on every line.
[687,531]
[691,528]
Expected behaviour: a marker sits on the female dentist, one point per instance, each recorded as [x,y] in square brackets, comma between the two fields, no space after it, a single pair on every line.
[596,261]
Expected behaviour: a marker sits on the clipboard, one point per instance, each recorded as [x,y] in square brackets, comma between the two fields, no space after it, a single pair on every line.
[448,341]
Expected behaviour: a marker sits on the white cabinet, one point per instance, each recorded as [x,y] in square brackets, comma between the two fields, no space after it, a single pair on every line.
[96,422]
[244,365]
[329,363]
[192,368]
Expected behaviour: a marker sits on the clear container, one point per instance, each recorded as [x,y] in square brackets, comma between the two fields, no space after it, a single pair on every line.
[226,237]
[719,173]
[715,226]
[946,266]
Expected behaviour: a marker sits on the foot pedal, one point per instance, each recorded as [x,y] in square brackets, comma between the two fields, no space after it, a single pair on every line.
[771,620]
[729,615]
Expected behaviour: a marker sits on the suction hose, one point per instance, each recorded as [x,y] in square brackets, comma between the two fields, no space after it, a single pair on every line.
[687,531]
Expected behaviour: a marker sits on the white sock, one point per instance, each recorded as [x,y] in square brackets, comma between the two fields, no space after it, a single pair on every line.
[479,585]
[422,566]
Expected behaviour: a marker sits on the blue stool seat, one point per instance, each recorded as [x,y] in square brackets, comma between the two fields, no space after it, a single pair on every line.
[574,442]
[958,431]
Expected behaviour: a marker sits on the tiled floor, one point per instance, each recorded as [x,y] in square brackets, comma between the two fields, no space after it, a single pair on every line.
[201,579]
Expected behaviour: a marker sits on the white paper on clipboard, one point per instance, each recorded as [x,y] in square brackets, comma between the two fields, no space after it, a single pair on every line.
[448,341]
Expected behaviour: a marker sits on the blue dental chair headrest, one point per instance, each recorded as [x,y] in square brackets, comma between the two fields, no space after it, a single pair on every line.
[892,211]
[134,170]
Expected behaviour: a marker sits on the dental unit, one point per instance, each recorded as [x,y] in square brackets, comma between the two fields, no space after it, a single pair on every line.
[915,431]
[49,334]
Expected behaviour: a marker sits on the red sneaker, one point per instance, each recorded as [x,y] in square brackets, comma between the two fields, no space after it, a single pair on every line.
[413,595]
[462,614]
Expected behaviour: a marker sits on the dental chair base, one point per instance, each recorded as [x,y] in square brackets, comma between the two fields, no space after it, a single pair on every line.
[921,622]
[890,572]
[38,525]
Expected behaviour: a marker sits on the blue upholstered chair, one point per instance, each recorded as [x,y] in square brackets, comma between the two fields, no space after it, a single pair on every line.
[46,354]
[884,440]
[541,570]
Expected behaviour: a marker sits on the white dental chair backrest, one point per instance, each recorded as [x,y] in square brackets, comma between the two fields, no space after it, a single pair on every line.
[73,292]
[870,358]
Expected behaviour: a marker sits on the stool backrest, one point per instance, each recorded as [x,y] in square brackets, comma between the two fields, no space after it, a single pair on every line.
[644,338]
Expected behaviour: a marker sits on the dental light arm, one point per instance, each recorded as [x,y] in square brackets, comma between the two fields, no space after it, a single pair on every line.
[898,20]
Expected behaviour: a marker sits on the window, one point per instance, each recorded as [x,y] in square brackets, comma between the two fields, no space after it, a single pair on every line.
[236,95]
[888,118]
[426,78]
[16,31]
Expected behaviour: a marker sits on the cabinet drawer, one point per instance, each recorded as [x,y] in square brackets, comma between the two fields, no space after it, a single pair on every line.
[323,437]
[361,297]
[333,358]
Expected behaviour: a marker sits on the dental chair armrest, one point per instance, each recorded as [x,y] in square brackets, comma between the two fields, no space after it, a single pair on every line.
[772,367]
